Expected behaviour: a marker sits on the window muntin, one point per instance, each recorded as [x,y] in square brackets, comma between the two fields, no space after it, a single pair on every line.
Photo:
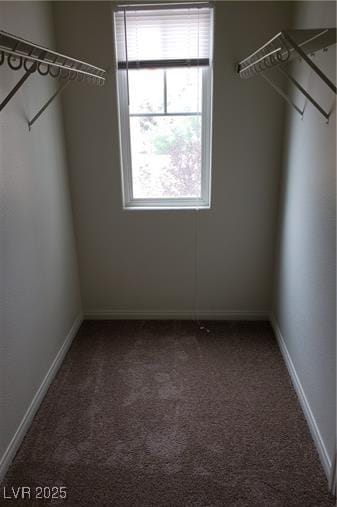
[164,107]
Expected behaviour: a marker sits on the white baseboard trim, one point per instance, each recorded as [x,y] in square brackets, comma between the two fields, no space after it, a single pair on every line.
[108,314]
[333,477]
[27,419]
[314,430]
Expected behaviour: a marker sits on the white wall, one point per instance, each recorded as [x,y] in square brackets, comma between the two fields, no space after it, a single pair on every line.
[142,263]
[305,288]
[39,281]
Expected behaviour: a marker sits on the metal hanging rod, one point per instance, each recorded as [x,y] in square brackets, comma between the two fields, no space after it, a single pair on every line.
[284,47]
[20,54]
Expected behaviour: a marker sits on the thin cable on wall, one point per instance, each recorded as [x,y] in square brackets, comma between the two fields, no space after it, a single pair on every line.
[196,221]
[126,58]
[196,273]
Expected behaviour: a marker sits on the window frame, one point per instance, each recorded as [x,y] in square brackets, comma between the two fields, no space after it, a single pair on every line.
[132,203]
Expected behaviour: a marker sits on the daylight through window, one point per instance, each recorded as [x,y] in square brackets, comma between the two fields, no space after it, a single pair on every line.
[164,78]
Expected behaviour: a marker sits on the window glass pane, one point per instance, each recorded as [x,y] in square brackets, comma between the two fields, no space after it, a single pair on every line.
[166,156]
[146,91]
[184,90]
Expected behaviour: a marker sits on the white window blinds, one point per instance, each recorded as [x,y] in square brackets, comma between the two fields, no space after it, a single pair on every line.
[156,36]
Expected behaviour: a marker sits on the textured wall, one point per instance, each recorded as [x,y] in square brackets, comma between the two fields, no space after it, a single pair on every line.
[142,263]
[39,281]
[305,289]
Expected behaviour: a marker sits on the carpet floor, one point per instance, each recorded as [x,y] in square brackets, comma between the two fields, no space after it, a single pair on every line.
[161,413]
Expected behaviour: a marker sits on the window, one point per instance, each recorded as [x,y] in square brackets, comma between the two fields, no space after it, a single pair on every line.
[164,82]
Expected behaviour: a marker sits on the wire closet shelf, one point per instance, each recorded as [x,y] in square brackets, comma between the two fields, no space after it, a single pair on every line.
[285,47]
[20,54]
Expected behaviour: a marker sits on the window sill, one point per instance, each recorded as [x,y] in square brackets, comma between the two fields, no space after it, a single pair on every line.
[166,204]
[165,208]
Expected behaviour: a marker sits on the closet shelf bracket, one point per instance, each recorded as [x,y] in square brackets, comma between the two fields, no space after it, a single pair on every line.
[19,54]
[38,114]
[17,87]
[280,50]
